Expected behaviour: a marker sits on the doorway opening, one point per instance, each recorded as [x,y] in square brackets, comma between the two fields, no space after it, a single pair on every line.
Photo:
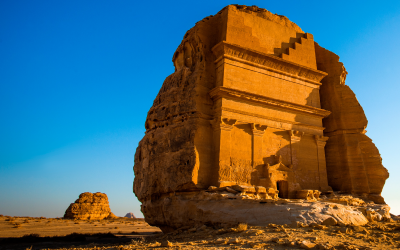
[283,189]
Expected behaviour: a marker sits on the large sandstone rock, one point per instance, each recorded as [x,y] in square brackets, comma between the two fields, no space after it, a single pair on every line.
[90,206]
[252,103]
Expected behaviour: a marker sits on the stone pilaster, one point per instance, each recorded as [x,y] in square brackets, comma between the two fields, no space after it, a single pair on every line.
[258,133]
[222,128]
[322,174]
[295,137]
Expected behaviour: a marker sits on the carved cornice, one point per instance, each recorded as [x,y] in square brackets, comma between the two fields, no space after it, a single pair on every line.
[346,131]
[268,62]
[269,118]
[220,92]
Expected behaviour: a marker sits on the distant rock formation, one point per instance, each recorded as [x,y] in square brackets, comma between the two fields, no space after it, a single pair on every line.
[90,206]
[253,102]
[130,215]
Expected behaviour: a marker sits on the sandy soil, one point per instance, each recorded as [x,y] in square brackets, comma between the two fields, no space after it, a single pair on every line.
[20,226]
[136,234]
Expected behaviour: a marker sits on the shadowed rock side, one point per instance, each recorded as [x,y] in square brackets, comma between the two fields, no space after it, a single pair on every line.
[90,206]
[242,114]
[166,159]
[354,164]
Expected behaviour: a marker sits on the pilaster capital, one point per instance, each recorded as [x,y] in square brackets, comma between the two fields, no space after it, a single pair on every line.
[321,140]
[295,136]
[223,123]
[258,129]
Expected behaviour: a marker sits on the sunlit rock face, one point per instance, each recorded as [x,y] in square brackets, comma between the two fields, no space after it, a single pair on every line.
[354,164]
[254,102]
[90,206]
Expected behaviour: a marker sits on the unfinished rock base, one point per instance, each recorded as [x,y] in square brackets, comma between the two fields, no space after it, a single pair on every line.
[193,209]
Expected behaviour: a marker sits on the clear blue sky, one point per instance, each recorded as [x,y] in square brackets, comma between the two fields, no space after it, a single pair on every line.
[78,77]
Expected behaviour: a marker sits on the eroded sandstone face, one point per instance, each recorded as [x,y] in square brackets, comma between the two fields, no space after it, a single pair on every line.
[254,102]
[354,164]
[89,206]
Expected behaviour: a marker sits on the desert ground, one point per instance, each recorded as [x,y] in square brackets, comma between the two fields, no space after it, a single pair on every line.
[20,226]
[121,230]
[123,233]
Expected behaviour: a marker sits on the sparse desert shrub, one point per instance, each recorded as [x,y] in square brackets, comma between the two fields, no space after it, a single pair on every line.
[26,221]
[76,222]
[241,227]
[103,224]
[1,215]
[31,235]
[116,227]
[96,225]
[10,219]
[17,225]
[42,218]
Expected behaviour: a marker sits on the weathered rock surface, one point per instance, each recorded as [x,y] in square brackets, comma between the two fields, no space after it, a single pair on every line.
[130,215]
[252,103]
[90,206]
[395,217]
[353,162]
[221,208]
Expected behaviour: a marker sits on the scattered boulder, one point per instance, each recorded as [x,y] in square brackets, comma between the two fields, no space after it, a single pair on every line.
[345,230]
[359,229]
[166,243]
[233,241]
[307,244]
[90,206]
[330,222]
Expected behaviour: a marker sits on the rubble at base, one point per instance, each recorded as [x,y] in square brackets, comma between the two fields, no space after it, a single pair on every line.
[373,235]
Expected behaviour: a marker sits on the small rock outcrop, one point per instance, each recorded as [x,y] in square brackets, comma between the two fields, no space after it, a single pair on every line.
[90,206]
[130,215]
